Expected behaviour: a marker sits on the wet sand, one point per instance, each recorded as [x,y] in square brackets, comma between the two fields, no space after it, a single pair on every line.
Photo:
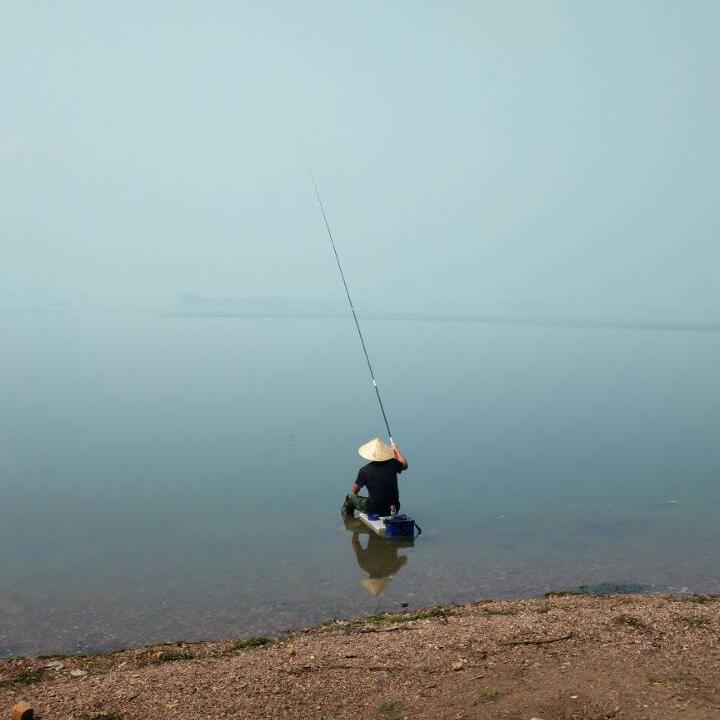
[559,657]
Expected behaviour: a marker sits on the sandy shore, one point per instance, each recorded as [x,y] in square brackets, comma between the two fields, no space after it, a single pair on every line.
[561,657]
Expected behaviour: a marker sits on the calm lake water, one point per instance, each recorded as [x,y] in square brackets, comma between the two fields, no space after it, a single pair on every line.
[166,478]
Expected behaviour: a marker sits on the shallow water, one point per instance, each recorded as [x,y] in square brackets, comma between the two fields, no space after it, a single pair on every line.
[168,477]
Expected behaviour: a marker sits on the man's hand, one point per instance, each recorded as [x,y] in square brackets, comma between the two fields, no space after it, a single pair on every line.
[398,455]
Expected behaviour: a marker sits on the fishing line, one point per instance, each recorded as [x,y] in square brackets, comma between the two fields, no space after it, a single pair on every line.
[347,292]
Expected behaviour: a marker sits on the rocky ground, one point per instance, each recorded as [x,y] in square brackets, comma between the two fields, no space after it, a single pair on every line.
[560,657]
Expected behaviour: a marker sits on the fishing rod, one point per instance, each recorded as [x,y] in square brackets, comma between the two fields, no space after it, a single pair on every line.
[352,307]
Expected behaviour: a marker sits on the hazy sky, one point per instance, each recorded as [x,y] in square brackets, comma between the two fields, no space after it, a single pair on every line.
[535,155]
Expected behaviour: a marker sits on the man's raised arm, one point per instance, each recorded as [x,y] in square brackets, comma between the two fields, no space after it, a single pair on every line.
[399,456]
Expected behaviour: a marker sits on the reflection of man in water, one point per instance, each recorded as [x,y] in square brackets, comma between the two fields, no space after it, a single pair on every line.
[380,559]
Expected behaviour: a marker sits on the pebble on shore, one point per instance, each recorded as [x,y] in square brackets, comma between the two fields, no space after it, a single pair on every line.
[22,711]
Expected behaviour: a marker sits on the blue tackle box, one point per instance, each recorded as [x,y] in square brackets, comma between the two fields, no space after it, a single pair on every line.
[399,526]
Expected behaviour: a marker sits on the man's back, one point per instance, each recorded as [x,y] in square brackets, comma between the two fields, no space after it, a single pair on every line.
[380,478]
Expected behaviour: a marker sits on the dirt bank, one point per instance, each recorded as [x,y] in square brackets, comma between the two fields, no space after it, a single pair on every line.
[560,657]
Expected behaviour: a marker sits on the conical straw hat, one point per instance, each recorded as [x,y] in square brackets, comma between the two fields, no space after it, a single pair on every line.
[376,450]
[375,586]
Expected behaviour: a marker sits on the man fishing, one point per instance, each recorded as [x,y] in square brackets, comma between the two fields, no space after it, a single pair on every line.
[379,476]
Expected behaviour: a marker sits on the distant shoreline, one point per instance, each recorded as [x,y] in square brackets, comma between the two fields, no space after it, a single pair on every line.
[561,323]
[335,313]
